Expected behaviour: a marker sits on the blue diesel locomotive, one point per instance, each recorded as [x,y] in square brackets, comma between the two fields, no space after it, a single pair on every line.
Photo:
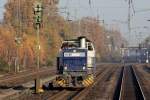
[76,63]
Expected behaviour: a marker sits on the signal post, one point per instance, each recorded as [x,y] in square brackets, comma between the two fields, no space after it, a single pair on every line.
[37,24]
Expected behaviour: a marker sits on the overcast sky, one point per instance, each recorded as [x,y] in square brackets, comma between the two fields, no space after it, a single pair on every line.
[2,2]
[114,12]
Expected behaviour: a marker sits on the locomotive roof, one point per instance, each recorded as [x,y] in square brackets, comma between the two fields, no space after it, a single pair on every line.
[87,40]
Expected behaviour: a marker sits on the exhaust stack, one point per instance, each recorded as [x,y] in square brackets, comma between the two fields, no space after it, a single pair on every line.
[82,42]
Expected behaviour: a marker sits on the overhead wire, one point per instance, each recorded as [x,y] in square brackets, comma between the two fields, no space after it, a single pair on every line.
[67,9]
[142,10]
[79,21]
[91,7]
[131,11]
[132,4]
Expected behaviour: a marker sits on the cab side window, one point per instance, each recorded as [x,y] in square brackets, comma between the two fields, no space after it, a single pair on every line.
[90,48]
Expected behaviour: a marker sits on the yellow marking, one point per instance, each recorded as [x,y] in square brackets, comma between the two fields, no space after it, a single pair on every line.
[89,82]
[61,82]
[90,78]
[86,83]
[40,90]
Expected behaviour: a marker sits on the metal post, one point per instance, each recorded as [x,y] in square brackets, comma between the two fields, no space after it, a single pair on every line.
[147,60]
[38,15]
[18,40]
[17,62]
[37,81]
[79,25]
[18,65]
[122,54]
[38,47]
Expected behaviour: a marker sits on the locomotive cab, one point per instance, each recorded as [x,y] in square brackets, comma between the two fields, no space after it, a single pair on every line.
[90,58]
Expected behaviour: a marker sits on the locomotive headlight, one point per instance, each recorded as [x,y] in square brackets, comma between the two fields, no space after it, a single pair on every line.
[83,67]
[65,67]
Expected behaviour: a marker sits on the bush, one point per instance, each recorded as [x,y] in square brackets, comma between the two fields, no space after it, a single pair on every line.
[4,65]
[50,61]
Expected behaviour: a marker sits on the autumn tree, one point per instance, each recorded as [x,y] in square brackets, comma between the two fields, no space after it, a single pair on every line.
[19,24]
[19,17]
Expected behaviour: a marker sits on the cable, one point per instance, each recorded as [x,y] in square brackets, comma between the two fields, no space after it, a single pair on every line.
[142,10]
[91,7]
[132,6]
[90,2]
[84,7]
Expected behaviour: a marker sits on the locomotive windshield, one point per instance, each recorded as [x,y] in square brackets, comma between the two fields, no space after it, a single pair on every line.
[70,44]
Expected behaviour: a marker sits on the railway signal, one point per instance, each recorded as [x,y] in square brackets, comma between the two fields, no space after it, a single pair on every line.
[38,9]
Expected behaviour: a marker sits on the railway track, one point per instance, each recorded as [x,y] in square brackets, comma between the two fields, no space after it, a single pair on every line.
[64,95]
[125,83]
[61,93]
[47,94]
[85,92]
[143,77]
[128,87]
[23,77]
[80,94]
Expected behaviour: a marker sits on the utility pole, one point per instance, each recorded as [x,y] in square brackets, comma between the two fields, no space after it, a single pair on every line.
[79,27]
[37,24]
[130,9]
[122,54]
[98,18]
[129,16]
[18,38]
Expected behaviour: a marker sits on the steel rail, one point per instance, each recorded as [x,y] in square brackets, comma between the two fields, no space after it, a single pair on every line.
[130,87]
